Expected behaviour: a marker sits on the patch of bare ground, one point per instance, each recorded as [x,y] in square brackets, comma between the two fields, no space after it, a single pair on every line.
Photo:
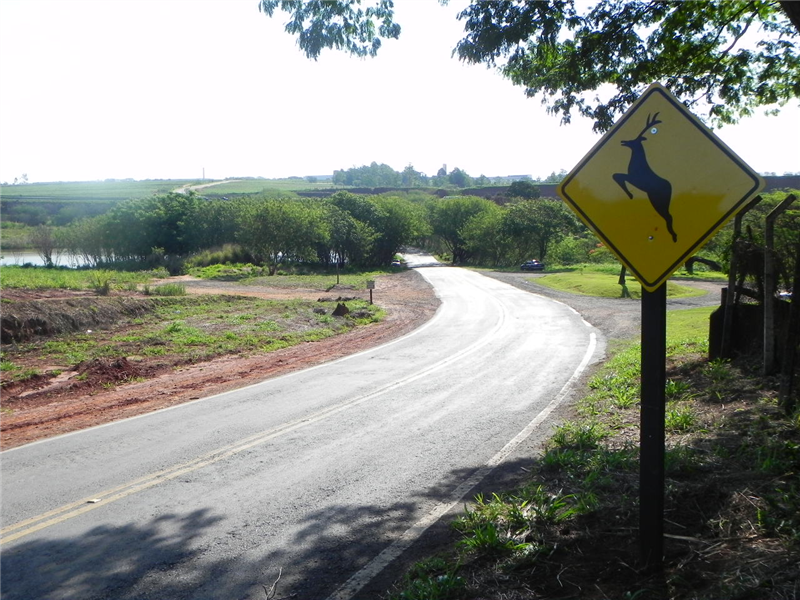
[105,390]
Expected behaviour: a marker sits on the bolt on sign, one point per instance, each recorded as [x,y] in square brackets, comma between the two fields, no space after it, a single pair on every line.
[658,186]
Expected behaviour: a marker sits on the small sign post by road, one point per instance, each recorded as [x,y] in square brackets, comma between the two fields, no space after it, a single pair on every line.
[655,189]
[370,287]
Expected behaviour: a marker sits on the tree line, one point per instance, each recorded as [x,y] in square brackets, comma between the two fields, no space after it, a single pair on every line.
[361,231]
[350,229]
[382,175]
[345,228]
[377,175]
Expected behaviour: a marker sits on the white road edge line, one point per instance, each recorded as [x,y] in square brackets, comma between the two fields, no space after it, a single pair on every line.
[352,586]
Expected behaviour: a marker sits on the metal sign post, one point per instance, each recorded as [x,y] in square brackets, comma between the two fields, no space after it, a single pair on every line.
[370,287]
[651,441]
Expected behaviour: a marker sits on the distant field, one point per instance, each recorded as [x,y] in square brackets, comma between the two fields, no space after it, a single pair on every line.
[114,191]
[257,186]
[88,191]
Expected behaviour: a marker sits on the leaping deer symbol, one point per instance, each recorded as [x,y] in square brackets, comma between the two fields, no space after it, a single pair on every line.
[640,175]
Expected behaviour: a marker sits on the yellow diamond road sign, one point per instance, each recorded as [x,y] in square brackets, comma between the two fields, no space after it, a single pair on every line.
[658,186]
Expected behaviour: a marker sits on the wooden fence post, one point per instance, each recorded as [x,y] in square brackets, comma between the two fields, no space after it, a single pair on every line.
[769,284]
[727,323]
[792,338]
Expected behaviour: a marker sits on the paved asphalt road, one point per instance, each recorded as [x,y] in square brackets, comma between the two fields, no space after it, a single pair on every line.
[321,476]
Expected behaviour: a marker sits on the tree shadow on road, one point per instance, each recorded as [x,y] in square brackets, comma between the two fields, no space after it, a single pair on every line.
[169,556]
[106,562]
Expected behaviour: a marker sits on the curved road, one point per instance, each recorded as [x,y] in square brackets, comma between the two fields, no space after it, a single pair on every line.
[321,477]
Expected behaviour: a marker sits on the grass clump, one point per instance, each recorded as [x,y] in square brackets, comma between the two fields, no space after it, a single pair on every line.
[431,579]
[166,289]
[228,254]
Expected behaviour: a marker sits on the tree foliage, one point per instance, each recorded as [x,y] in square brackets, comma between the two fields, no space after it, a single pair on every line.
[345,25]
[374,175]
[400,222]
[534,225]
[485,239]
[752,241]
[277,231]
[448,218]
[523,189]
[721,58]
[45,242]
[697,49]
[459,178]
[379,226]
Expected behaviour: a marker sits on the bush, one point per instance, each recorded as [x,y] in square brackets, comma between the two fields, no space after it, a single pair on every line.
[227,254]
[168,289]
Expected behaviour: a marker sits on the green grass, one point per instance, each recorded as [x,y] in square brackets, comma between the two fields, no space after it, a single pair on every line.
[166,289]
[687,330]
[612,268]
[228,271]
[680,417]
[14,276]
[700,274]
[432,579]
[605,285]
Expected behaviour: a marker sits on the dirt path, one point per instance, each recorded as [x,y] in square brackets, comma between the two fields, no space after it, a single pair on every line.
[194,188]
[407,298]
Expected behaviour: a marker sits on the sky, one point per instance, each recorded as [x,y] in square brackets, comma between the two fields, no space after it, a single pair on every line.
[173,89]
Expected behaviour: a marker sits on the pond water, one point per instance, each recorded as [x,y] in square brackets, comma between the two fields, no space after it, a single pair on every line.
[20,257]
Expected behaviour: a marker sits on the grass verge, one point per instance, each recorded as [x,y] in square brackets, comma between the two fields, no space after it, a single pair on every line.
[13,276]
[604,285]
[570,530]
[295,277]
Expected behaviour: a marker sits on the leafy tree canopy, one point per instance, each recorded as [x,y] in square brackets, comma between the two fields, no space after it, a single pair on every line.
[535,225]
[376,175]
[523,189]
[459,178]
[448,218]
[342,25]
[722,58]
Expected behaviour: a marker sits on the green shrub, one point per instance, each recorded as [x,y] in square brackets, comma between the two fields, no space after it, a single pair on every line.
[169,289]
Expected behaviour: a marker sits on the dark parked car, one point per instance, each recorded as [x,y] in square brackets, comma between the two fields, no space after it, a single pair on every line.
[532,265]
